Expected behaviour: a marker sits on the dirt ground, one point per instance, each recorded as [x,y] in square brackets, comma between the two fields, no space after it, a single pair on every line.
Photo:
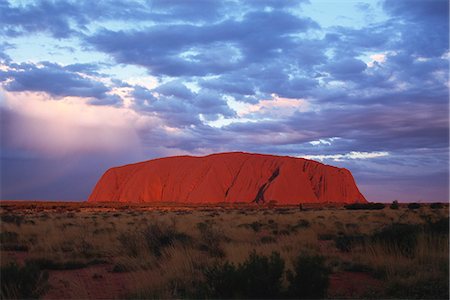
[105,251]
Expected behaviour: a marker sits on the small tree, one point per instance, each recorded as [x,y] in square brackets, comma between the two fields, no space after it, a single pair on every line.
[394,204]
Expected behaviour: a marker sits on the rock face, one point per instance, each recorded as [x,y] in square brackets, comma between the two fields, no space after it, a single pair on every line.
[228,177]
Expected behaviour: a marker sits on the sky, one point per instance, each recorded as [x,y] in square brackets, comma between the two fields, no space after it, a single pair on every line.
[88,85]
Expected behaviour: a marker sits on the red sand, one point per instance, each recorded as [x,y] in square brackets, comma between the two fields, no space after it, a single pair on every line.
[228,177]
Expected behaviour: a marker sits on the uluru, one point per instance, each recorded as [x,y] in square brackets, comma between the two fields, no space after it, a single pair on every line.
[228,178]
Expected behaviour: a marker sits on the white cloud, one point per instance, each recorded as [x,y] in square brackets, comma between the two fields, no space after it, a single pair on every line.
[327,141]
[277,106]
[346,156]
[376,58]
[70,126]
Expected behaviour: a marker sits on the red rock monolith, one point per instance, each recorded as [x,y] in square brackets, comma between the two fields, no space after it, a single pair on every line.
[228,177]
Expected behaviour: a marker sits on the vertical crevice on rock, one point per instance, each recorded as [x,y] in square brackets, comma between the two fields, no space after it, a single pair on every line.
[260,195]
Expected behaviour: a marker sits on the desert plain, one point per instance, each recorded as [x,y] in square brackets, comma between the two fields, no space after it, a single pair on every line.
[55,250]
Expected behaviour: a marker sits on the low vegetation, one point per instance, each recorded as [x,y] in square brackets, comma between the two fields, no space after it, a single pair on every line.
[359,251]
[23,282]
[369,206]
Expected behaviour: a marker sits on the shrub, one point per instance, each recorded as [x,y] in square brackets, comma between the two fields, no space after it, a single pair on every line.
[325,236]
[47,264]
[130,242]
[346,242]
[13,247]
[394,205]
[12,219]
[22,282]
[120,268]
[211,239]
[414,205]
[256,226]
[436,205]
[262,275]
[221,281]
[158,237]
[419,289]
[400,236]
[9,241]
[369,206]
[302,224]
[258,277]
[441,226]
[8,237]
[268,239]
[310,279]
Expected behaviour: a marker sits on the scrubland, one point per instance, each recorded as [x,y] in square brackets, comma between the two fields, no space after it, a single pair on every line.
[133,252]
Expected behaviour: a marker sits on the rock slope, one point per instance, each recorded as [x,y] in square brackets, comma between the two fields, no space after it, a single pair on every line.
[228,177]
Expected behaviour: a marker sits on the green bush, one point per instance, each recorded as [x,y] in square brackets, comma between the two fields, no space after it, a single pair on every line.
[394,205]
[17,219]
[258,277]
[158,237]
[130,242]
[8,237]
[369,206]
[303,224]
[120,268]
[48,264]
[325,236]
[437,288]
[211,239]
[346,242]
[441,226]
[414,205]
[436,205]
[310,279]
[256,226]
[23,282]
[268,239]
[400,236]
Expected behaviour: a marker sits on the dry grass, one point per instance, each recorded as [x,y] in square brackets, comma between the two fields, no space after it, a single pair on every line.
[202,237]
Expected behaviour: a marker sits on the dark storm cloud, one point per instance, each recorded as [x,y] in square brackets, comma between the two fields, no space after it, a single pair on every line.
[36,17]
[176,89]
[62,19]
[350,42]
[425,25]
[391,128]
[233,83]
[193,50]
[349,68]
[51,78]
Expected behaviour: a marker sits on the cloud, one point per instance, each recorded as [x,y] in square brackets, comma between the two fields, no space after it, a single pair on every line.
[274,108]
[64,19]
[350,155]
[39,124]
[176,89]
[194,50]
[348,68]
[177,77]
[53,79]
[423,25]
[177,105]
